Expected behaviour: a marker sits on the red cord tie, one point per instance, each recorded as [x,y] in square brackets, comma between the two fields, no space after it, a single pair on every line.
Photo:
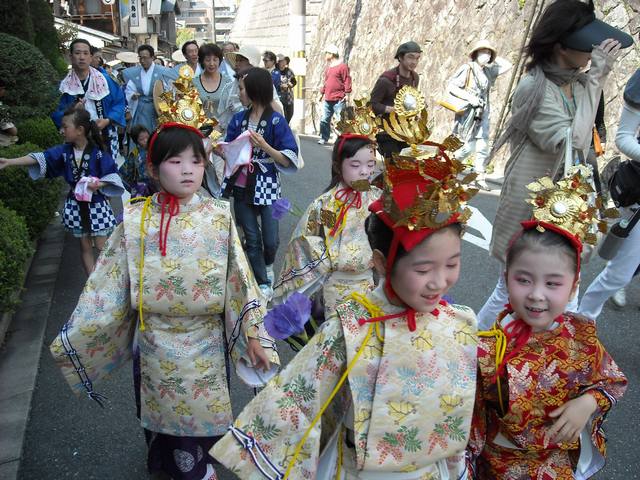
[348,200]
[409,312]
[169,204]
[519,333]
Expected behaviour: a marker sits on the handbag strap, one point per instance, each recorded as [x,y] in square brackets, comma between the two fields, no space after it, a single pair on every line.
[467,81]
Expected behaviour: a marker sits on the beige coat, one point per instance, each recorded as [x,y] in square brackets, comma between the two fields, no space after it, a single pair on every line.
[542,151]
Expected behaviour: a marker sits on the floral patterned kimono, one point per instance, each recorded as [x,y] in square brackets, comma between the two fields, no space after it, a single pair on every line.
[404,411]
[199,304]
[554,367]
[338,265]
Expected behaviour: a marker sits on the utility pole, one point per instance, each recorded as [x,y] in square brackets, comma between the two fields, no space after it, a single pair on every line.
[297,27]
[213,19]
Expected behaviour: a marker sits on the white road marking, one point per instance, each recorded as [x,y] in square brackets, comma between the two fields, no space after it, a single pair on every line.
[480,223]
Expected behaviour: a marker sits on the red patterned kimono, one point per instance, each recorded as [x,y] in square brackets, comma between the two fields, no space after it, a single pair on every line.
[553,367]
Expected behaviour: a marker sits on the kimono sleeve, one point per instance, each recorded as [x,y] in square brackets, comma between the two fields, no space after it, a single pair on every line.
[265,435]
[607,386]
[117,103]
[233,129]
[478,433]
[306,262]
[97,339]
[50,163]
[63,104]
[244,311]
[285,142]
[108,174]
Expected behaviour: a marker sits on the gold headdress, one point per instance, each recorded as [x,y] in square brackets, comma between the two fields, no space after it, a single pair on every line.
[565,205]
[359,120]
[183,105]
[423,185]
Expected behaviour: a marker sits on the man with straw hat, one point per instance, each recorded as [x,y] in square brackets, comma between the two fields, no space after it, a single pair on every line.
[473,82]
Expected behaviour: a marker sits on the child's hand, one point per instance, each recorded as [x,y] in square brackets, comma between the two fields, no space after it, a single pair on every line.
[4,162]
[94,185]
[258,141]
[573,416]
[257,355]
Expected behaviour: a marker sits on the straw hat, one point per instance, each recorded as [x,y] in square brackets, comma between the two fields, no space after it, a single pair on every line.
[127,57]
[177,56]
[484,44]
[331,48]
[251,53]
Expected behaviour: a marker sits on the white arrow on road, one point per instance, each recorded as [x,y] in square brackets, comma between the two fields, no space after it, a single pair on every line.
[479,223]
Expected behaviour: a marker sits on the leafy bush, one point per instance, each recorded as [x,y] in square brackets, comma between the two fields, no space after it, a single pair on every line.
[35,201]
[15,19]
[39,131]
[45,34]
[15,248]
[31,80]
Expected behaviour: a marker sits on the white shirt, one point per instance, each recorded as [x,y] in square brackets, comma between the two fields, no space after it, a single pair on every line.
[145,79]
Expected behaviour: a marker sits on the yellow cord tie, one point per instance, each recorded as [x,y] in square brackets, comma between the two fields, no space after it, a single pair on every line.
[326,404]
[501,348]
[146,215]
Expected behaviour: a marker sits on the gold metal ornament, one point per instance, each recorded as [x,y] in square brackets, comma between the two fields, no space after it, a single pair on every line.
[408,102]
[182,105]
[359,120]
[569,204]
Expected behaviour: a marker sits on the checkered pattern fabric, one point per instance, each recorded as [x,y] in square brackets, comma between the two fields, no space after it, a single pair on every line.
[267,189]
[100,214]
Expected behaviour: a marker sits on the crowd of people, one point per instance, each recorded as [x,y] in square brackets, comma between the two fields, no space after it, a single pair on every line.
[390,380]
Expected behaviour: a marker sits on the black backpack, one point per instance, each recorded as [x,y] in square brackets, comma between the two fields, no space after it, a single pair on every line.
[624,183]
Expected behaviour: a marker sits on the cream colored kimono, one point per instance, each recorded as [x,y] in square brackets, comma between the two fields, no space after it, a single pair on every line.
[200,303]
[403,413]
[336,265]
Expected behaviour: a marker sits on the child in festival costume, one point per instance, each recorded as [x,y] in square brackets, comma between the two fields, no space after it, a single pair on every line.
[134,171]
[176,268]
[81,159]
[545,381]
[397,364]
[329,253]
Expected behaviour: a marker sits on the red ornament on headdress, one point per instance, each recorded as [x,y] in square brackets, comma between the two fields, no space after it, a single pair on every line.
[420,196]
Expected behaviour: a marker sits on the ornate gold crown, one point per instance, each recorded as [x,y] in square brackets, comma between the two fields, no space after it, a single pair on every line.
[359,120]
[184,105]
[566,204]
[423,185]
[409,123]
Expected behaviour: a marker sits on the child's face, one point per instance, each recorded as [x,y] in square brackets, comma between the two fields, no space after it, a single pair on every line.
[540,285]
[242,93]
[70,132]
[427,272]
[358,167]
[143,139]
[181,175]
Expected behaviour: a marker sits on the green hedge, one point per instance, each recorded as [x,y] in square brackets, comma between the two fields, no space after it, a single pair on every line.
[15,249]
[32,83]
[39,131]
[35,201]
[45,35]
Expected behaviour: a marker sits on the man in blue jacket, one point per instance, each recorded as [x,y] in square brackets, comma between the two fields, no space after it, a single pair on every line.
[88,88]
[139,82]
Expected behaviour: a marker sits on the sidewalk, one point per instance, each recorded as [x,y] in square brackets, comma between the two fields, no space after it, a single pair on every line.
[20,353]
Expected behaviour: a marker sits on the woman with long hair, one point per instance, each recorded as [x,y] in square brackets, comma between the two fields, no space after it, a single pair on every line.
[554,95]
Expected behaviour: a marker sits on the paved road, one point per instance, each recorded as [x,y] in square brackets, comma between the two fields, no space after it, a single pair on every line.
[72,438]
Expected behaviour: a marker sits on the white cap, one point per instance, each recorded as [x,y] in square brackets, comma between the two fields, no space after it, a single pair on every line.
[331,48]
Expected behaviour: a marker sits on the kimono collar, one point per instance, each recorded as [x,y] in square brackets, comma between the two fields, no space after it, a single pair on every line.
[378,299]
[98,87]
